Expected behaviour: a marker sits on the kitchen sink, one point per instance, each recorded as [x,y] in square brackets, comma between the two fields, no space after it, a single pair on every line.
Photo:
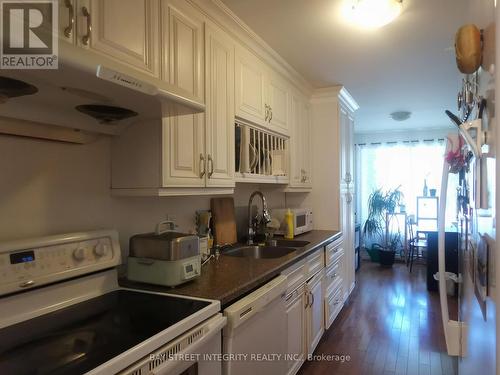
[292,243]
[260,252]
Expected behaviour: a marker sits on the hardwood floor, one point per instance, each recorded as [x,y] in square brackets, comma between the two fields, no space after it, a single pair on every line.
[390,326]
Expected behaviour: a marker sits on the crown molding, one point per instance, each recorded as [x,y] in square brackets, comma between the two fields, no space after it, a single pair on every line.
[227,20]
[335,94]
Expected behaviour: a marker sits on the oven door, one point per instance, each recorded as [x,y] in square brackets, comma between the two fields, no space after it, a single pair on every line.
[197,352]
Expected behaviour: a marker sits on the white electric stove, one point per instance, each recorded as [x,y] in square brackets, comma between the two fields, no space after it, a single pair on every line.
[62,312]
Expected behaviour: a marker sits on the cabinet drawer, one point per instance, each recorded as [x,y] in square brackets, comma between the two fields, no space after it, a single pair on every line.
[333,305]
[333,251]
[296,275]
[314,263]
[334,274]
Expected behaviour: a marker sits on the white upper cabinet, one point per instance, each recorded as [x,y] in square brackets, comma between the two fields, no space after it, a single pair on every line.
[250,81]
[278,102]
[262,95]
[300,139]
[182,44]
[346,122]
[67,13]
[183,151]
[126,30]
[185,154]
[219,72]
[305,141]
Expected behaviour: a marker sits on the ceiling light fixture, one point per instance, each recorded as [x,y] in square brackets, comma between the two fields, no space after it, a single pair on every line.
[400,115]
[371,14]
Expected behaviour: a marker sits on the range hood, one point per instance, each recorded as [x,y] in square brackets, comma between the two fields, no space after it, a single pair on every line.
[87,95]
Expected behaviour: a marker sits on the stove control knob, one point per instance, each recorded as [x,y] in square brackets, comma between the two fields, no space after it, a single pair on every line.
[101,249]
[79,253]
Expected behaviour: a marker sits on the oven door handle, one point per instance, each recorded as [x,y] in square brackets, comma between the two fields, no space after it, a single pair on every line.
[214,327]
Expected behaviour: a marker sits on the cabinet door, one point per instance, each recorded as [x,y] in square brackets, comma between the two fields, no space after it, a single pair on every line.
[334,301]
[346,121]
[250,87]
[306,144]
[350,151]
[347,228]
[67,13]
[315,321]
[220,107]
[278,102]
[296,332]
[300,138]
[296,148]
[182,47]
[344,143]
[126,30]
[183,151]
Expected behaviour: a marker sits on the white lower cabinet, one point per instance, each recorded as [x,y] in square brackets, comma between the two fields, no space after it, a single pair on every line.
[295,316]
[334,301]
[315,296]
[334,290]
[314,311]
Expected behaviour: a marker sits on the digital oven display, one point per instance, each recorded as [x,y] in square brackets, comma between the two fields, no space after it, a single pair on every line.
[24,257]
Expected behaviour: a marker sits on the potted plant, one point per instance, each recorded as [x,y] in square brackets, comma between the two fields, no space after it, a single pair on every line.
[381,210]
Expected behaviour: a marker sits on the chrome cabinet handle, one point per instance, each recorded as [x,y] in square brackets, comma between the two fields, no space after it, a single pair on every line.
[27,284]
[68,31]
[348,198]
[348,178]
[211,165]
[312,298]
[86,37]
[270,113]
[267,112]
[333,276]
[202,166]
[307,300]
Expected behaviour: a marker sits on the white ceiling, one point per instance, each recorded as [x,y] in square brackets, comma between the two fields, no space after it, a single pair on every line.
[406,65]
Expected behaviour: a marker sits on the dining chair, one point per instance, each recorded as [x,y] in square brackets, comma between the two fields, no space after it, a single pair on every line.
[417,245]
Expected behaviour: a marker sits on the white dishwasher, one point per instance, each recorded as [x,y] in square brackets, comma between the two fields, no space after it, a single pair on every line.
[254,339]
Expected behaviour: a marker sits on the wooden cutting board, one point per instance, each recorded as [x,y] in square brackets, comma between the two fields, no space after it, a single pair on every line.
[224,221]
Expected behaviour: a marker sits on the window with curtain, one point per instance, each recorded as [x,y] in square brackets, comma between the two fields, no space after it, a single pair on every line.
[404,164]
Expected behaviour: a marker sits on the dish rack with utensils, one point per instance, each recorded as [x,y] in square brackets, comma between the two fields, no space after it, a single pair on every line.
[261,155]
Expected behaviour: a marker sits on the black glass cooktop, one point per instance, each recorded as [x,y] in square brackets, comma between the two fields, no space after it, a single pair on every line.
[78,338]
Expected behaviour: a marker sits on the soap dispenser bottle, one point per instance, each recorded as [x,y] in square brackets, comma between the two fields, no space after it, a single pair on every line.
[289,224]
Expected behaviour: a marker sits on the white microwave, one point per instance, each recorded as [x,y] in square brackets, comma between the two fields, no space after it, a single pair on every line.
[302,220]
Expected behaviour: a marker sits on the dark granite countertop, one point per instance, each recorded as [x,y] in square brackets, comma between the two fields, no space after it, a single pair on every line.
[229,278]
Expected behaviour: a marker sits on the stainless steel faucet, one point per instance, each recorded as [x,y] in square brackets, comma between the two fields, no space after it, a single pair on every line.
[266,217]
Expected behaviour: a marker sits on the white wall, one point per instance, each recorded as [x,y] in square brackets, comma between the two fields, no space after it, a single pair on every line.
[49,188]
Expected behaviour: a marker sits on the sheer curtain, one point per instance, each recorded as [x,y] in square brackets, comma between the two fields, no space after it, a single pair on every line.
[405,164]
